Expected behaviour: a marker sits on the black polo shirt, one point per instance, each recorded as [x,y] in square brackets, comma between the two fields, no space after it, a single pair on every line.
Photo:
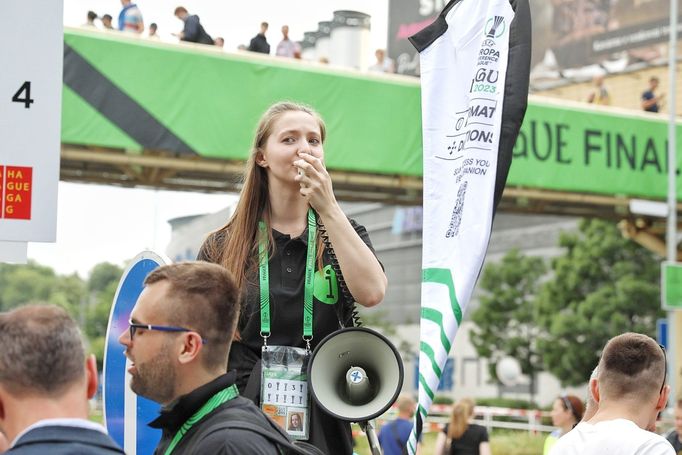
[287,277]
[228,441]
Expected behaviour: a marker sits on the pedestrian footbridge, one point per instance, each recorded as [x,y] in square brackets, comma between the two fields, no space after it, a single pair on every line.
[143,113]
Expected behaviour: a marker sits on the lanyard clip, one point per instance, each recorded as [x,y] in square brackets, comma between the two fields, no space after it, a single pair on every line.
[265,336]
[307,343]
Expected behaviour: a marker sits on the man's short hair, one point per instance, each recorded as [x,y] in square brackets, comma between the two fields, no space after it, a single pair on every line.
[92,15]
[264,25]
[406,404]
[205,298]
[632,365]
[41,351]
[180,10]
[107,17]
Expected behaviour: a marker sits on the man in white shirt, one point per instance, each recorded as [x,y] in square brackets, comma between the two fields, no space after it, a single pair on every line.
[631,390]
[286,47]
[383,63]
[45,383]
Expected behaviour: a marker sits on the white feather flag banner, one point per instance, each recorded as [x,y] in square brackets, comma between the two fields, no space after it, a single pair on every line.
[475,63]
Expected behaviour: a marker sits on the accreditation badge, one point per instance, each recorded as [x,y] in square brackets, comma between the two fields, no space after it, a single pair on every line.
[284,393]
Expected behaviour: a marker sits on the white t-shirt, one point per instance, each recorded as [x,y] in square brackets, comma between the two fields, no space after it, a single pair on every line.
[611,437]
[288,48]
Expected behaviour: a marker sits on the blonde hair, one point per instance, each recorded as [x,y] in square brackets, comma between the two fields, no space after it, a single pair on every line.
[459,419]
[240,245]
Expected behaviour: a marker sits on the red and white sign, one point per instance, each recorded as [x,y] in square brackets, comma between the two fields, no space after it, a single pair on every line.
[16,185]
[30,120]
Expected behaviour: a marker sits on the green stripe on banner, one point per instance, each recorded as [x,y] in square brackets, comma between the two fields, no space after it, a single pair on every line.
[444,276]
[414,449]
[422,411]
[426,349]
[422,381]
[437,317]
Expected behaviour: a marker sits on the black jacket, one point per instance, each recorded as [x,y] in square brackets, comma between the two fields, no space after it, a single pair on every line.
[226,441]
[64,440]
[194,32]
[259,44]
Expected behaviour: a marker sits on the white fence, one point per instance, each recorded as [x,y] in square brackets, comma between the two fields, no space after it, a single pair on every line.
[529,420]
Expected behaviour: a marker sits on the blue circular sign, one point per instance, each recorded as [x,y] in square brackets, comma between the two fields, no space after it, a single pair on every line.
[125,414]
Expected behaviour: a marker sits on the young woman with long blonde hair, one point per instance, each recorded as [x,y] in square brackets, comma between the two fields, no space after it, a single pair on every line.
[287,195]
[460,436]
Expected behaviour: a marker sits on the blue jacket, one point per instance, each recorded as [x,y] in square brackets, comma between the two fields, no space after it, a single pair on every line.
[63,440]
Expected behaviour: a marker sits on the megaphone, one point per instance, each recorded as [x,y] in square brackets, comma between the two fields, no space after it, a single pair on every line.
[356,374]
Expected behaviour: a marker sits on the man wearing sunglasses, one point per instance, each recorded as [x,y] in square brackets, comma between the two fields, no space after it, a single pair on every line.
[177,345]
[46,381]
[630,390]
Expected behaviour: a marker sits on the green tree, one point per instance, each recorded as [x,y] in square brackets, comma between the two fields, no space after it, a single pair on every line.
[505,322]
[602,286]
[102,284]
[22,284]
[102,275]
[89,302]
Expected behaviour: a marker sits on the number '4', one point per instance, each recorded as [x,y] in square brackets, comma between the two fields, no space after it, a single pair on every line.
[24,90]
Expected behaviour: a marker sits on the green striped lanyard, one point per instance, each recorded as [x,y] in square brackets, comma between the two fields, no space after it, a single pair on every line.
[264,278]
[216,400]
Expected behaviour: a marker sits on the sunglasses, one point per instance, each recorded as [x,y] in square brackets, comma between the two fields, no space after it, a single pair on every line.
[665,367]
[134,326]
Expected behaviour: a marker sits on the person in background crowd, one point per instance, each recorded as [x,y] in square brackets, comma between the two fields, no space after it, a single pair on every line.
[219,41]
[259,43]
[130,18]
[46,380]
[650,101]
[461,436]
[153,31]
[631,390]
[674,437]
[286,190]
[286,47]
[567,411]
[180,333]
[106,22]
[193,31]
[90,19]
[383,63]
[600,95]
[393,436]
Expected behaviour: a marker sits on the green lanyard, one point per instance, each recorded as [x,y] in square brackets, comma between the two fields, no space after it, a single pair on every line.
[216,400]
[264,278]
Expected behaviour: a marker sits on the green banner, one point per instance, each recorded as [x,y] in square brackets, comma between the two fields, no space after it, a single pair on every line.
[212,101]
[208,102]
[586,150]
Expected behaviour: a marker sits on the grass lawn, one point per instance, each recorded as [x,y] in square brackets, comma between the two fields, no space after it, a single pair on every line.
[501,442]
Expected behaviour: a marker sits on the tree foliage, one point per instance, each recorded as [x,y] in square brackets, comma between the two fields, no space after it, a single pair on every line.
[602,286]
[505,322]
[87,301]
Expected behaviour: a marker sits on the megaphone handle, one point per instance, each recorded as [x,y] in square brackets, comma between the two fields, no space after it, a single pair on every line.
[368,427]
